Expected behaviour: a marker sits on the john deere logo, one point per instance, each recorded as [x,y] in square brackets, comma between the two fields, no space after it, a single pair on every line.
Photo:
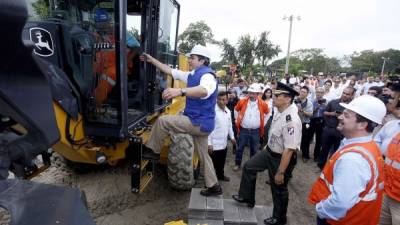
[43,42]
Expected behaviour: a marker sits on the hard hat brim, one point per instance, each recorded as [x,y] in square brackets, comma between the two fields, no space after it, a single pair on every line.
[358,111]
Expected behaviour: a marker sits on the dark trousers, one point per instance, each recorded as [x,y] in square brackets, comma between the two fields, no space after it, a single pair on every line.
[305,140]
[330,140]
[266,160]
[321,221]
[218,157]
[316,127]
[251,136]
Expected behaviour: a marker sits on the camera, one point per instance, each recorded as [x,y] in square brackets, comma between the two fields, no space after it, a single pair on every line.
[321,101]
[385,98]
[339,112]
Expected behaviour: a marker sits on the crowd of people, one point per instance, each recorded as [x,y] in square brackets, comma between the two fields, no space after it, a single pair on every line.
[354,122]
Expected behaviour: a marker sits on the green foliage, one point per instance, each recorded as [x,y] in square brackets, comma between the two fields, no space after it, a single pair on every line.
[246,50]
[41,9]
[265,50]
[370,61]
[228,52]
[196,33]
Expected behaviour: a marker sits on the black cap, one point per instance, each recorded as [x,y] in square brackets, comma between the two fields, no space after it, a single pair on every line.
[282,88]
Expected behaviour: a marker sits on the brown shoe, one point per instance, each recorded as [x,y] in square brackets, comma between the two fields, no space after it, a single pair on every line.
[212,191]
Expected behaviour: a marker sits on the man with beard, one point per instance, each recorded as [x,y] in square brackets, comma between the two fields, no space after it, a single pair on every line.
[349,189]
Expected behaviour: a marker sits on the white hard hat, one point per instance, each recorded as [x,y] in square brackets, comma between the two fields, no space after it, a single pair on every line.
[255,88]
[367,106]
[200,50]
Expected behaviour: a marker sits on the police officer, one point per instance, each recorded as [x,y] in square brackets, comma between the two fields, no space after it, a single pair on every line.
[279,157]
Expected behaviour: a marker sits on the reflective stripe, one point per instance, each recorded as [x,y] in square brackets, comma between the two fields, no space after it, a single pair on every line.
[330,187]
[371,195]
[392,163]
[109,80]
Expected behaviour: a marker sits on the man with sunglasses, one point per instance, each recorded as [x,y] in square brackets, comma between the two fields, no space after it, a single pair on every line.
[279,156]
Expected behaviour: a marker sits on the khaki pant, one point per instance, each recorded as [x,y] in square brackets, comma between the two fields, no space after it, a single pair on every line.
[182,124]
[390,211]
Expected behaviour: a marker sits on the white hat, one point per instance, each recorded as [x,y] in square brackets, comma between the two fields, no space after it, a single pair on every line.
[320,73]
[200,50]
[255,88]
[367,106]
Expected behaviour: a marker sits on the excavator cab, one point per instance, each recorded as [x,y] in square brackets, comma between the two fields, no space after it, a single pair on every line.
[95,100]
[96,44]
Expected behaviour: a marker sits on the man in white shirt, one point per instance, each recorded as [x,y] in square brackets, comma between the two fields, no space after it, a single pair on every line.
[217,140]
[250,119]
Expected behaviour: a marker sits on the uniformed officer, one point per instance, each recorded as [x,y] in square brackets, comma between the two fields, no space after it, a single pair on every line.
[279,157]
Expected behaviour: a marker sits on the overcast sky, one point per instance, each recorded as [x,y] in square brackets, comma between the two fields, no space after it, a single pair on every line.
[337,26]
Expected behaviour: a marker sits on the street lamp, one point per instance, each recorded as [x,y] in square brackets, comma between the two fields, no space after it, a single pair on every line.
[290,18]
[383,65]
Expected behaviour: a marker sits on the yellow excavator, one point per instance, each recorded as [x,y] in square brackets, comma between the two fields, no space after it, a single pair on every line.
[77,85]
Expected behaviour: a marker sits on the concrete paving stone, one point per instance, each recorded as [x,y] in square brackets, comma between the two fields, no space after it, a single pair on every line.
[215,203]
[247,216]
[196,214]
[205,222]
[231,212]
[262,212]
[197,201]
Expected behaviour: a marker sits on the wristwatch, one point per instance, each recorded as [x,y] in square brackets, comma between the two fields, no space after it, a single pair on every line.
[183,92]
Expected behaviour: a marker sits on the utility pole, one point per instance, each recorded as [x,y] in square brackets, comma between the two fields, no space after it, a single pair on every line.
[383,65]
[290,18]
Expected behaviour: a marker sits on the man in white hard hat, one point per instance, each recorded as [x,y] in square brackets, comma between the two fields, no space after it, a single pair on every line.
[250,114]
[349,190]
[198,116]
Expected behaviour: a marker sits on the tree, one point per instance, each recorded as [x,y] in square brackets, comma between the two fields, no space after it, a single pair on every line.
[228,52]
[134,32]
[265,50]
[370,61]
[41,9]
[246,49]
[198,33]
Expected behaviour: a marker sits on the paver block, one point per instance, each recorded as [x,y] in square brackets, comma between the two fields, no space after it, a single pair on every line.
[205,222]
[231,212]
[247,216]
[197,205]
[215,208]
[262,212]
[197,201]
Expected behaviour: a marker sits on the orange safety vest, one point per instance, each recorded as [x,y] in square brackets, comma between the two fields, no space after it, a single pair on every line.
[367,210]
[392,169]
[241,107]
[104,66]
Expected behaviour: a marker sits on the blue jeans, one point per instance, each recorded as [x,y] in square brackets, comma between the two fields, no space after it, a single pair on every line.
[251,136]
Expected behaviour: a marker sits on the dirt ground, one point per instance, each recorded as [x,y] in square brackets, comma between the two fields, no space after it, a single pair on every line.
[111,202]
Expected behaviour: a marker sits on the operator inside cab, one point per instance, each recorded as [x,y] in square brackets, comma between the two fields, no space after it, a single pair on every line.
[105,61]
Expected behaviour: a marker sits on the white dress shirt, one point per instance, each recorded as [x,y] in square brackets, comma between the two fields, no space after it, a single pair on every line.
[386,134]
[207,81]
[223,127]
[251,118]
[351,174]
